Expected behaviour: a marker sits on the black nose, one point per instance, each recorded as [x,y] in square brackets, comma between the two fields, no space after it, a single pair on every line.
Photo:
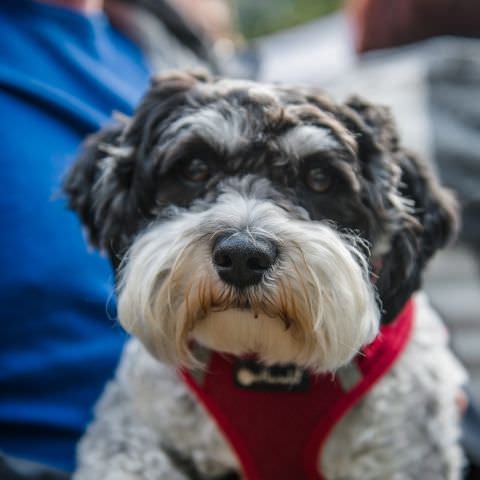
[241,260]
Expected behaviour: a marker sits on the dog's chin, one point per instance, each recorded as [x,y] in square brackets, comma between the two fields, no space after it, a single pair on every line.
[244,332]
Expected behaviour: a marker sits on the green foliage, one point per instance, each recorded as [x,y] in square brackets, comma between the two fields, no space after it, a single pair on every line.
[261,17]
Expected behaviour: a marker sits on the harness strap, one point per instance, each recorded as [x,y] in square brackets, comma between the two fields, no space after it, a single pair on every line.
[278,429]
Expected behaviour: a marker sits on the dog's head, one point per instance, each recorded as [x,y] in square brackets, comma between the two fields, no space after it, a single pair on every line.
[258,219]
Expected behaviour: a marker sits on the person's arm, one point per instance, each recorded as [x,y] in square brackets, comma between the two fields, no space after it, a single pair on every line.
[12,468]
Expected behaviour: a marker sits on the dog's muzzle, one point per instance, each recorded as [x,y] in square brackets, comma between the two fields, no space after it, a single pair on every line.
[244,276]
[241,260]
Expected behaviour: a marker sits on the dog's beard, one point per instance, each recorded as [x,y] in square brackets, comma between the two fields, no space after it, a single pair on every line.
[315,307]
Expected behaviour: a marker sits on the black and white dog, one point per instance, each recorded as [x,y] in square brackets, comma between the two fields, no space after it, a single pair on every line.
[273,226]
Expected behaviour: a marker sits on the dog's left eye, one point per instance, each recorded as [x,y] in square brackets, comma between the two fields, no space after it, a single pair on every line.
[319,180]
[196,171]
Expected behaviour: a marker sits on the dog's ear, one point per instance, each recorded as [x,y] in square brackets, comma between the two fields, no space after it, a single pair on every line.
[98,187]
[435,211]
[412,211]
[112,184]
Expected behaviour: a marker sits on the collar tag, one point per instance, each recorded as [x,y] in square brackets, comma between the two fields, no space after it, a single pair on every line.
[251,375]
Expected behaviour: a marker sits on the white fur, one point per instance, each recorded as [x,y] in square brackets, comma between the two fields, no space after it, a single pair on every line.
[223,131]
[406,428]
[226,85]
[320,283]
[305,140]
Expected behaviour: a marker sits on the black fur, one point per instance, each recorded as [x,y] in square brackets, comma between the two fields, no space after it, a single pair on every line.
[433,221]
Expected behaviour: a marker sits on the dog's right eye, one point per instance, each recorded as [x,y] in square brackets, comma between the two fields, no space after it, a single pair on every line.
[319,180]
[196,171]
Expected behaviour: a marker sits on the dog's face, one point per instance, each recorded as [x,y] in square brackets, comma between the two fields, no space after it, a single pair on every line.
[258,219]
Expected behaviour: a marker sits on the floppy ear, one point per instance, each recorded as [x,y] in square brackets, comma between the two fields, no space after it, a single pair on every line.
[413,212]
[436,211]
[113,183]
[98,187]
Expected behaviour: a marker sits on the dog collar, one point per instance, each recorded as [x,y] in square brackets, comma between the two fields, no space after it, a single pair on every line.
[277,419]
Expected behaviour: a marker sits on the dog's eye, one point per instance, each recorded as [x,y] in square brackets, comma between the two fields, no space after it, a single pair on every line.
[319,180]
[196,171]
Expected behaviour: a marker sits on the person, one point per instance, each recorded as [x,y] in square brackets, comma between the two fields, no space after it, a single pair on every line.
[65,66]
[63,70]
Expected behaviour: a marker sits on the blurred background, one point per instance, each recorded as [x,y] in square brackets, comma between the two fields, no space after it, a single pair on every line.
[419,57]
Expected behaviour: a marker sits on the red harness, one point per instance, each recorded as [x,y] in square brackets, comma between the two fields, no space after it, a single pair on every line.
[280,434]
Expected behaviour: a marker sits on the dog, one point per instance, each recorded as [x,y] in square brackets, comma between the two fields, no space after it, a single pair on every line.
[268,244]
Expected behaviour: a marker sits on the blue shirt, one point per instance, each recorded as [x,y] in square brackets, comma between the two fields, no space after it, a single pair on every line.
[61,76]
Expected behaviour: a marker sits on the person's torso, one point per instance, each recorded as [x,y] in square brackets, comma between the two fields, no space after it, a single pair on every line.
[61,76]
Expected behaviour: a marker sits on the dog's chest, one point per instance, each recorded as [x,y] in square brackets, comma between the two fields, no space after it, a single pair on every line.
[364,444]
[266,410]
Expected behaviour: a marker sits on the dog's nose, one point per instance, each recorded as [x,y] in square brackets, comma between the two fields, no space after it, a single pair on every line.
[241,260]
